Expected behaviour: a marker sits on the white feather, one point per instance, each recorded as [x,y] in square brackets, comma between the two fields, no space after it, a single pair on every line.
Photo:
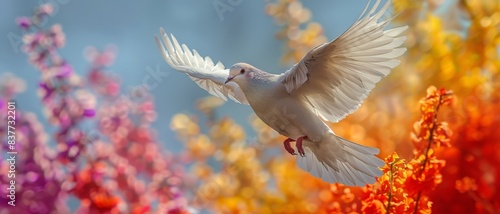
[357,59]
[335,159]
[202,71]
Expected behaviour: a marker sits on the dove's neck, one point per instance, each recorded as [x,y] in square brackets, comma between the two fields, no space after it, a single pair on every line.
[262,87]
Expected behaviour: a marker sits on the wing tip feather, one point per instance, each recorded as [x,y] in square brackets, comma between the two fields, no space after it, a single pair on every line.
[202,71]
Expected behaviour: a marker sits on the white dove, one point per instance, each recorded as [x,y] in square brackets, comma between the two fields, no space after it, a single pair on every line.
[330,82]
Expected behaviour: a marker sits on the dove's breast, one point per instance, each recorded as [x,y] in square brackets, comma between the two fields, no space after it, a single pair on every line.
[285,113]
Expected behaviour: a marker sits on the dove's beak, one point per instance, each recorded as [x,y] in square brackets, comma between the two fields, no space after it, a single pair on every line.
[229,78]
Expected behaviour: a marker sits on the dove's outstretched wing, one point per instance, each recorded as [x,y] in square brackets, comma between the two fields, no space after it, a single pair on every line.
[335,77]
[203,71]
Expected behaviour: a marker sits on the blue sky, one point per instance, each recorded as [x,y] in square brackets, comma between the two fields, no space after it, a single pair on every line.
[245,34]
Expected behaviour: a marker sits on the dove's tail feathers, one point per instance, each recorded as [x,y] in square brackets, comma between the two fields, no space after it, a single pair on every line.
[337,160]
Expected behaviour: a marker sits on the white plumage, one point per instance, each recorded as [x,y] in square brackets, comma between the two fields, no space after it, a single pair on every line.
[329,83]
[347,69]
[203,71]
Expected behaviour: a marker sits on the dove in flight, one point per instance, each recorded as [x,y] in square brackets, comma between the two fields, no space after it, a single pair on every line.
[329,83]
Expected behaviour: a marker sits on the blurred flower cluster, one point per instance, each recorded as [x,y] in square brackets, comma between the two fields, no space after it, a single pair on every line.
[107,156]
[298,31]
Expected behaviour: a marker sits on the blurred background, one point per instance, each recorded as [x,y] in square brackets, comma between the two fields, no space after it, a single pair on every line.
[92,140]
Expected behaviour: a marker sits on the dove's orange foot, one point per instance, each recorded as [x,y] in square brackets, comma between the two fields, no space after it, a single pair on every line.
[299,146]
[289,148]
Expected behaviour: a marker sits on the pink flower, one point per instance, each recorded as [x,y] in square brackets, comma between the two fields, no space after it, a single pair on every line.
[10,85]
[45,9]
[59,39]
[112,88]
[65,70]
[101,58]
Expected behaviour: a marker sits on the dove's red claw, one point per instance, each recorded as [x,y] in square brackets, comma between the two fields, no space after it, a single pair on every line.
[288,147]
[299,146]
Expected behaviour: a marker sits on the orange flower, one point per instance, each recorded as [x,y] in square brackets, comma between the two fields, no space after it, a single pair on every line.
[466,184]
[403,186]
[103,201]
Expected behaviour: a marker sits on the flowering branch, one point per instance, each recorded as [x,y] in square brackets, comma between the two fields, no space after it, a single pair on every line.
[430,107]
[401,182]
[391,185]
[442,93]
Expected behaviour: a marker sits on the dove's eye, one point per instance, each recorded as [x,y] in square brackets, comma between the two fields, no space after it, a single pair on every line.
[242,71]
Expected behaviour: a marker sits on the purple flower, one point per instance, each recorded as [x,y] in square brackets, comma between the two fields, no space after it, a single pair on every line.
[89,112]
[24,22]
[46,90]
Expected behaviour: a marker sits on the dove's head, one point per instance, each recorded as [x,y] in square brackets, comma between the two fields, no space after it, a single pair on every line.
[241,73]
